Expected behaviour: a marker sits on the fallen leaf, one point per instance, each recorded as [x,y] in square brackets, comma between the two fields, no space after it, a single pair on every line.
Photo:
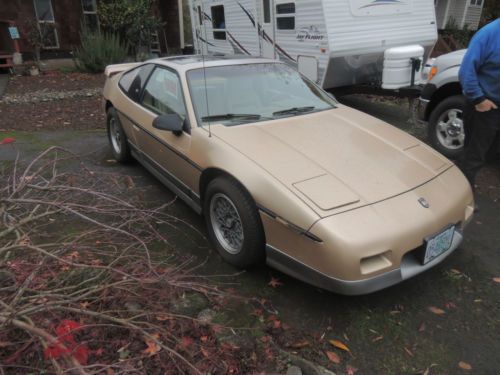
[152,348]
[333,357]
[496,279]
[378,338]
[408,351]
[464,366]
[186,341]
[163,317]
[450,305]
[340,345]
[129,182]
[422,327]
[274,282]
[204,352]
[351,370]
[276,324]
[437,310]
[300,344]
[7,140]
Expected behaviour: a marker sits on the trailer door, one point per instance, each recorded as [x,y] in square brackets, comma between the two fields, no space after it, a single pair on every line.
[267,37]
[200,38]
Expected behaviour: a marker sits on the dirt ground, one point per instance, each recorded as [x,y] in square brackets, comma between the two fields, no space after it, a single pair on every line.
[445,321]
[68,113]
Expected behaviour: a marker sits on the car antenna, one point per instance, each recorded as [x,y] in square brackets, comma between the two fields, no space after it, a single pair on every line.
[204,70]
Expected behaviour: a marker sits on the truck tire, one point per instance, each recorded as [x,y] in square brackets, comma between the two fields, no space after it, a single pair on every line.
[446,126]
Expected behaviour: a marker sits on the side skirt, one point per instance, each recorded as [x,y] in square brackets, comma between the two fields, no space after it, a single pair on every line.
[168,179]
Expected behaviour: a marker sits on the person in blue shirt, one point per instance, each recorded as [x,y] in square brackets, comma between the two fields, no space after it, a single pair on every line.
[480,79]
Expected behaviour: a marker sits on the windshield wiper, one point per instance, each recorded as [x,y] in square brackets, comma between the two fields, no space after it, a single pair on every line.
[293,110]
[230,116]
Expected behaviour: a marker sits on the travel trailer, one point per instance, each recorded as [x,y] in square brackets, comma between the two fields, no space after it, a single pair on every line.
[337,43]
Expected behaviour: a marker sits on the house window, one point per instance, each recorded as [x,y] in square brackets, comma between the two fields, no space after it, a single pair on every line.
[285,16]
[218,22]
[90,19]
[46,23]
[477,3]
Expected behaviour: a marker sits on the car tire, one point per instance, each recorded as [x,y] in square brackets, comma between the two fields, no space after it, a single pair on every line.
[233,223]
[117,137]
[446,126]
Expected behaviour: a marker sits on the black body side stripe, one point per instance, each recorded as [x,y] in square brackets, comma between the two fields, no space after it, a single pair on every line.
[182,156]
[263,33]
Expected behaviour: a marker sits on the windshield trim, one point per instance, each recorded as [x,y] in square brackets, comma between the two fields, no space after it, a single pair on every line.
[201,124]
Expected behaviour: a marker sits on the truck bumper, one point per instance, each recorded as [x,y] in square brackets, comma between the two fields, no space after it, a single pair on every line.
[423,102]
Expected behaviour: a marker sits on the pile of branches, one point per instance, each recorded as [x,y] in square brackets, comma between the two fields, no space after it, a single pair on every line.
[85,282]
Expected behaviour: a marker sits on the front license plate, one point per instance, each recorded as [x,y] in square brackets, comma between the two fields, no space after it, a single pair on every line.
[438,244]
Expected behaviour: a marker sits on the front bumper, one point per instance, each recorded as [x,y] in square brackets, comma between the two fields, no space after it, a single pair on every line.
[366,249]
[410,266]
[424,101]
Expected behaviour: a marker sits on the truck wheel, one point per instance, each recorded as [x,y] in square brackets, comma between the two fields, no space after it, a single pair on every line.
[233,223]
[446,126]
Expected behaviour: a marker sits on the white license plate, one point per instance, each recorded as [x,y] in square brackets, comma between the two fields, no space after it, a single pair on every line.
[438,244]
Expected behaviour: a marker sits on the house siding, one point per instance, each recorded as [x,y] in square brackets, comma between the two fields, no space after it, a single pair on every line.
[68,16]
[456,12]
[441,13]
[473,16]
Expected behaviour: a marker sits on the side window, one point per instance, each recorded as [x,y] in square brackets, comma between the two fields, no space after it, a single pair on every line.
[285,16]
[266,6]
[163,93]
[218,22]
[132,82]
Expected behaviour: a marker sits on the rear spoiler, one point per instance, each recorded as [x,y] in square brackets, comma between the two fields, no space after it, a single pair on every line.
[111,70]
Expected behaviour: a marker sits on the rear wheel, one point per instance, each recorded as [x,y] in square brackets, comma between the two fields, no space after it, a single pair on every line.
[233,223]
[117,137]
[446,126]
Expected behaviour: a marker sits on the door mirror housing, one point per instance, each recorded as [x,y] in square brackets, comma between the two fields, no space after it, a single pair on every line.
[170,122]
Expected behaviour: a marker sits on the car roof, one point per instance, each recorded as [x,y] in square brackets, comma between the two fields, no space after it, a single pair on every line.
[188,62]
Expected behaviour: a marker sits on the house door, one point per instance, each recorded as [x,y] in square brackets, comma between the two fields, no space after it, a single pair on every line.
[267,37]
[200,37]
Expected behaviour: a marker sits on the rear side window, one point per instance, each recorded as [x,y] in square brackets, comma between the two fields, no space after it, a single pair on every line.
[132,82]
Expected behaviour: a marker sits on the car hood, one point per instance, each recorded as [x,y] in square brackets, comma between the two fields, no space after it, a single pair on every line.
[337,159]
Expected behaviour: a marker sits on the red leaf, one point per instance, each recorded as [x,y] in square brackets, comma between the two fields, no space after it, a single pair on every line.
[81,354]
[351,370]
[333,357]
[7,140]
[186,341]
[274,282]
[55,351]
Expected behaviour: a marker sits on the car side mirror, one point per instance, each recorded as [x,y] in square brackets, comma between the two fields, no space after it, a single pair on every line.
[170,122]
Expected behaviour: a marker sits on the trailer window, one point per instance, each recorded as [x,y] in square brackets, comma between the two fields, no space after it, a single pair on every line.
[218,22]
[285,16]
[266,5]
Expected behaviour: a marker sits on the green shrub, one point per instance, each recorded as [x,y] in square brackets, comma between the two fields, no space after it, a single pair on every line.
[98,50]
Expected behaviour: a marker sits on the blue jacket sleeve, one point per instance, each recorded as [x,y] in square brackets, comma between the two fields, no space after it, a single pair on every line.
[469,68]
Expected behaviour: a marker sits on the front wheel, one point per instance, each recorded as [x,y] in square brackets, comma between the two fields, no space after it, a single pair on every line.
[117,137]
[233,223]
[446,126]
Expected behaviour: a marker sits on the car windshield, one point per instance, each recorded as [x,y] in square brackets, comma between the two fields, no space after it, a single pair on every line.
[238,94]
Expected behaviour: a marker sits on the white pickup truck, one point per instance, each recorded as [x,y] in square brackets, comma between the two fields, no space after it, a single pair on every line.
[442,106]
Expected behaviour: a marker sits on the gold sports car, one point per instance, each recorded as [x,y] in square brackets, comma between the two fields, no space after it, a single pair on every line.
[284,173]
